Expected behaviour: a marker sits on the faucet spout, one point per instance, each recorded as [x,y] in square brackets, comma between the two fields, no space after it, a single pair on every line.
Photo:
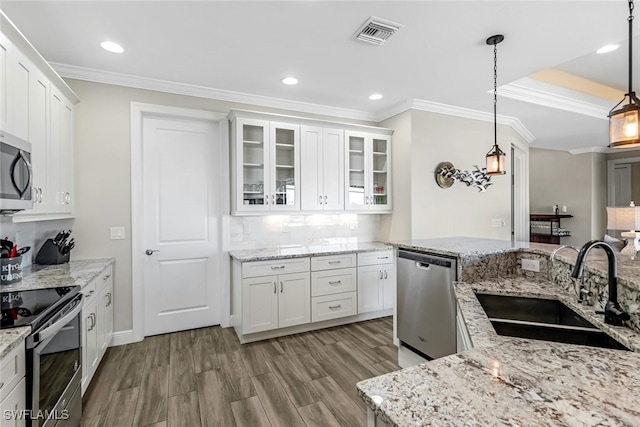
[613,313]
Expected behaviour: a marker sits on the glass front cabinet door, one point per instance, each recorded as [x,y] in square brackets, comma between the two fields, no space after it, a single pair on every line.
[367,172]
[267,165]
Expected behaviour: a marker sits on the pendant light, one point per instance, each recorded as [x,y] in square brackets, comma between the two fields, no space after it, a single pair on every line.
[496,158]
[624,123]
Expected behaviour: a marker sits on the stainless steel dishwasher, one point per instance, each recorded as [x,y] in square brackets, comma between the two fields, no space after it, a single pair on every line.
[426,304]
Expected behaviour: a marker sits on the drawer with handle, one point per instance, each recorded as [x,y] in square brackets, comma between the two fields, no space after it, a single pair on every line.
[105,276]
[328,307]
[376,257]
[333,281]
[329,262]
[268,268]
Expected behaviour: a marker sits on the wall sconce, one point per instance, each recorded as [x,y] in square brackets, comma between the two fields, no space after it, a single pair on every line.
[447,174]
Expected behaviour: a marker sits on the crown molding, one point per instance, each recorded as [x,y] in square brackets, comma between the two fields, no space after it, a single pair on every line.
[552,100]
[451,110]
[138,82]
[603,150]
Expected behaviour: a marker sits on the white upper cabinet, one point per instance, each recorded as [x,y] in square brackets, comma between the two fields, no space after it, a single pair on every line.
[267,165]
[322,165]
[283,163]
[367,172]
[36,105]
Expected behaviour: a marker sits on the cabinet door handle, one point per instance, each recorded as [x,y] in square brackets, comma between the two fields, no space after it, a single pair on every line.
[273,199]
[325,200]
[383,257]
[106,277]
[266,199]
[385,274]
[94,320]
[90,320]
[337,282]
[110,298]
[381,274]
[90,293]
[335,262]
[277,267]
[335,306]
[274,287]
[320,199]
[281,287]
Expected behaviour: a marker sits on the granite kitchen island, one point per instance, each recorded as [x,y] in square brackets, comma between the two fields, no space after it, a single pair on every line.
[512,381]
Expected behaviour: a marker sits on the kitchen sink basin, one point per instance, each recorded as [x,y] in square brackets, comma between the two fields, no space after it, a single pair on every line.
[542,319]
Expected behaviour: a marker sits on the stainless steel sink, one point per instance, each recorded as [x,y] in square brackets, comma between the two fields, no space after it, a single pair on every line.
[542,319]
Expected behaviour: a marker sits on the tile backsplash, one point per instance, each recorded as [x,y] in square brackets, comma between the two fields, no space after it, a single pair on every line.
[31,234]
[276,230]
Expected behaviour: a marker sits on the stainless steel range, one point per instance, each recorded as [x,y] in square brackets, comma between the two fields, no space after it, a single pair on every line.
[53,351]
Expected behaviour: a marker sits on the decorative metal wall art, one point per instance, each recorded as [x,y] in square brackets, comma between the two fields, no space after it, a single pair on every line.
[447,174]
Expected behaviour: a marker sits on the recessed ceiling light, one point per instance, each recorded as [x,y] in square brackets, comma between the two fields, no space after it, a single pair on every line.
[375,97]
[608,48]
[112,47]
[290,81]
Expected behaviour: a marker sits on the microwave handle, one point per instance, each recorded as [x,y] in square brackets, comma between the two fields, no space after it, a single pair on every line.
[34,339]
[22,157]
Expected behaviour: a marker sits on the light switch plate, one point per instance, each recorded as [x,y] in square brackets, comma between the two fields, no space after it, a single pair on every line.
[116,233]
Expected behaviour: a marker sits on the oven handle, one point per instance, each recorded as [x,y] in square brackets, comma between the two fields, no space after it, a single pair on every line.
[53,329]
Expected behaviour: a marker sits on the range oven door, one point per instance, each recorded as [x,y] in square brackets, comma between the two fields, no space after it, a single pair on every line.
[54,370]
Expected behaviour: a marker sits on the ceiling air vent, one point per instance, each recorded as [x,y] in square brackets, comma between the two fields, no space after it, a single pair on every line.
[377,30]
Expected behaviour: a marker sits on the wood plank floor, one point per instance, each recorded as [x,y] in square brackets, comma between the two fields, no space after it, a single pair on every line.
[205,377]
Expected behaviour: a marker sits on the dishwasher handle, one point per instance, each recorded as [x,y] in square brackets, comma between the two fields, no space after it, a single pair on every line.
[423,265]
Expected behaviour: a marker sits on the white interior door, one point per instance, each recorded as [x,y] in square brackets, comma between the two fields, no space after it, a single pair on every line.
[519,195]
[622,185]
[180,197]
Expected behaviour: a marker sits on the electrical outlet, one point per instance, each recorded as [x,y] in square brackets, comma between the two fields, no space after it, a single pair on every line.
[564,209]
[116,233]
[497,222]
[531,265]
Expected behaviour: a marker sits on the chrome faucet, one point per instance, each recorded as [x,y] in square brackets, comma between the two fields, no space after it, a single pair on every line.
[613,313]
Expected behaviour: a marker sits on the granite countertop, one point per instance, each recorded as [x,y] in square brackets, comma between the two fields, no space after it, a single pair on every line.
[300,251]
[512,381]
[469,250]
[10,338]
[74,273]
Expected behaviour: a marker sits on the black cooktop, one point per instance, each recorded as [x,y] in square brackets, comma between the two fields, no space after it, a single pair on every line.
[33,307]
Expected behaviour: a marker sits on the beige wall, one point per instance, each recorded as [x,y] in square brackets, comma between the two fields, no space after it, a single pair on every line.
[103,175]
[398,225]
[577,181]
[422,209]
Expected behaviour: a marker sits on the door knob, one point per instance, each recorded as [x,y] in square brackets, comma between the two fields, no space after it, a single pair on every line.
[151,251]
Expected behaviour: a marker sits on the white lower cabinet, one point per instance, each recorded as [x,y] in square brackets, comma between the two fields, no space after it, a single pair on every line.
[299,293]
[13,387]
[376,281]
[463,340]
[277,301]
[12,407]
[96,323]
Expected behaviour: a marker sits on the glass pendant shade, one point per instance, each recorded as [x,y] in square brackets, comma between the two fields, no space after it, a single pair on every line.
[496,161]
[624,127]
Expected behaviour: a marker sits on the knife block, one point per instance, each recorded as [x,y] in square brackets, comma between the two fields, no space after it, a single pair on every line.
[49,254]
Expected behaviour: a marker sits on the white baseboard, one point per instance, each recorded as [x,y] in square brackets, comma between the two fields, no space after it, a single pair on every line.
[122,338]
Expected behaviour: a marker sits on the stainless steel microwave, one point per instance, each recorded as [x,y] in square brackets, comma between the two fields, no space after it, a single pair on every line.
[16,175]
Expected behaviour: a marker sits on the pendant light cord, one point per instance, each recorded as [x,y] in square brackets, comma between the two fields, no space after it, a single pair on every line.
[495,94]
[630,19]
